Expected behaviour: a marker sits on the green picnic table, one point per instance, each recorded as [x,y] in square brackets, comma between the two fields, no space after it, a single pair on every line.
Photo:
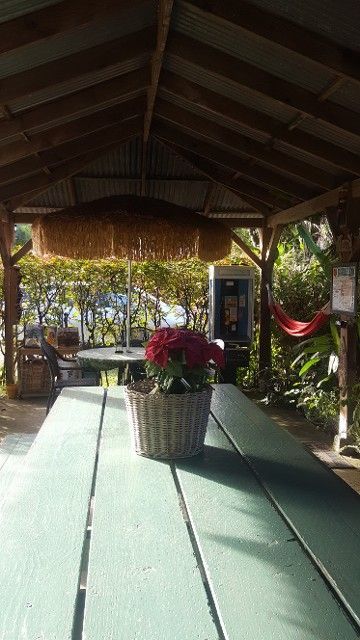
[254,539]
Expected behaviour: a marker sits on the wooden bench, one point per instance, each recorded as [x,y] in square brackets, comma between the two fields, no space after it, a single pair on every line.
[98,543]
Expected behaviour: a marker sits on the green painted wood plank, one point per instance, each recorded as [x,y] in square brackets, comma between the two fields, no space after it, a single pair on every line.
[143,580]
[264,584]
[7,446]
[323,511]
[43,522]
[14,450]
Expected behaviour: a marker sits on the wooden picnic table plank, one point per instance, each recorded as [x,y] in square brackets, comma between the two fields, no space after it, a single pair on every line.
[263,582]
[322,510]
[12,452]
[43,522]
[143,581]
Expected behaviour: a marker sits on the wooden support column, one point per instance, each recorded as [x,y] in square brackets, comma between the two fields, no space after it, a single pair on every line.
[269,241]
[346,228]
[6,235]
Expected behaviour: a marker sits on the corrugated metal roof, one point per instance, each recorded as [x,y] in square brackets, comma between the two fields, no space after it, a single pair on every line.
[83,37]
[339,21]
[10,9]
[348,95]
[161,161]
[224,200]
[88,189]
[124,161]
[299,154]
[229,89]
[185,193]
[330,133]
[262,53]
[60,195]
[214,117]
[85,112]
[76,84]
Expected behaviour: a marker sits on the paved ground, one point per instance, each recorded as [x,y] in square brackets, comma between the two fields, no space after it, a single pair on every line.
[20,420]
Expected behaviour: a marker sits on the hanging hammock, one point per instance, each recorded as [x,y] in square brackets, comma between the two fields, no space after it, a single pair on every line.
[294,327]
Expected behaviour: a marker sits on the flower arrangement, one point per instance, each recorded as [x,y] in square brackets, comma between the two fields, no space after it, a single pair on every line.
[178,360]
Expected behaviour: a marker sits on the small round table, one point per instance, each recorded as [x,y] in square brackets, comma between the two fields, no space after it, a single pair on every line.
[106,358]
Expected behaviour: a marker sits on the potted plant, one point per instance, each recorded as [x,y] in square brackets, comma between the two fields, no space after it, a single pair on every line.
[169,410]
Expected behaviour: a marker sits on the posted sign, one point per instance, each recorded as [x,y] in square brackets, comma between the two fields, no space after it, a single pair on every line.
[344,289]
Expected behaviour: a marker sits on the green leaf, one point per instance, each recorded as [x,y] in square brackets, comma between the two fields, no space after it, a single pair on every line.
[308,365]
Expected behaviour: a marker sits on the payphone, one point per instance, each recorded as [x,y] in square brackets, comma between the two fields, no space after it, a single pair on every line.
[231,314]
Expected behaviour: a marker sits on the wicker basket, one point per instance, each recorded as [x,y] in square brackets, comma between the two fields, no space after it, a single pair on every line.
[168,426]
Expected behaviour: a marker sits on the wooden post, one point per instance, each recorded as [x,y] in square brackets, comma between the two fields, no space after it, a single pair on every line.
[6,233]
[345,226]
[269,242]
[265,315]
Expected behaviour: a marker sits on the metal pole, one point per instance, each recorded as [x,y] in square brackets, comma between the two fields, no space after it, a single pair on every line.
[128,310]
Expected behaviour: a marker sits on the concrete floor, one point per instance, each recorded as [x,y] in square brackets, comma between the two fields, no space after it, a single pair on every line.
[20,420]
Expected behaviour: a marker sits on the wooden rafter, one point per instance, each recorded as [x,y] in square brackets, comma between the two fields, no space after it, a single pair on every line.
[246,249]
[232,110]
[118,89]
[246,167]
[216,133]
[243,187]
[64,134]
[164,17]
[56,19]
[273,243]
[208,198]
[334,57]
[21,253]
[93,59]
[311,207]
[228,67]
[215,174]
[21,191]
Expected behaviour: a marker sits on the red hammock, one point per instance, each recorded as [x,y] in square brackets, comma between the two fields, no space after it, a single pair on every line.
[294,327]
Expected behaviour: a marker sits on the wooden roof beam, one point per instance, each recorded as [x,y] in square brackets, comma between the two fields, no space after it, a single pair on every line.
[237,142]
[165,8]
[55,19]
[208,198]
[246,249]
[117,90]
[234,111]
[242,166]
[17,152]
[21,252]
[312,46]
[252,77]
[311,207]
[91,60]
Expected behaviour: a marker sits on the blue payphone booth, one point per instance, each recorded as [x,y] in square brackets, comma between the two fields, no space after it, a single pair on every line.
[231,314]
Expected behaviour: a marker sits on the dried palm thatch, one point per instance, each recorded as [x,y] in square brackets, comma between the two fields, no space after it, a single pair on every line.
[132,228]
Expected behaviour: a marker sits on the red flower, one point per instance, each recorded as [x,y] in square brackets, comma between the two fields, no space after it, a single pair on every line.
[197,350]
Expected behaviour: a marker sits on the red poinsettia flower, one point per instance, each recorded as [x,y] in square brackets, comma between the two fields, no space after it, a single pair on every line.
[196,349]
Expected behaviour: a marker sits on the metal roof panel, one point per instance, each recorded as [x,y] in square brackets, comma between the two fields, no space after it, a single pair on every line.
[338,21]
[10,9]
[259,52]
[229,89]
[124,161]
[75,40]
[76,84]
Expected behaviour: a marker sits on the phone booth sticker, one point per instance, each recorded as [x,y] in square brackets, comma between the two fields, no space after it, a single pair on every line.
[343,293]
